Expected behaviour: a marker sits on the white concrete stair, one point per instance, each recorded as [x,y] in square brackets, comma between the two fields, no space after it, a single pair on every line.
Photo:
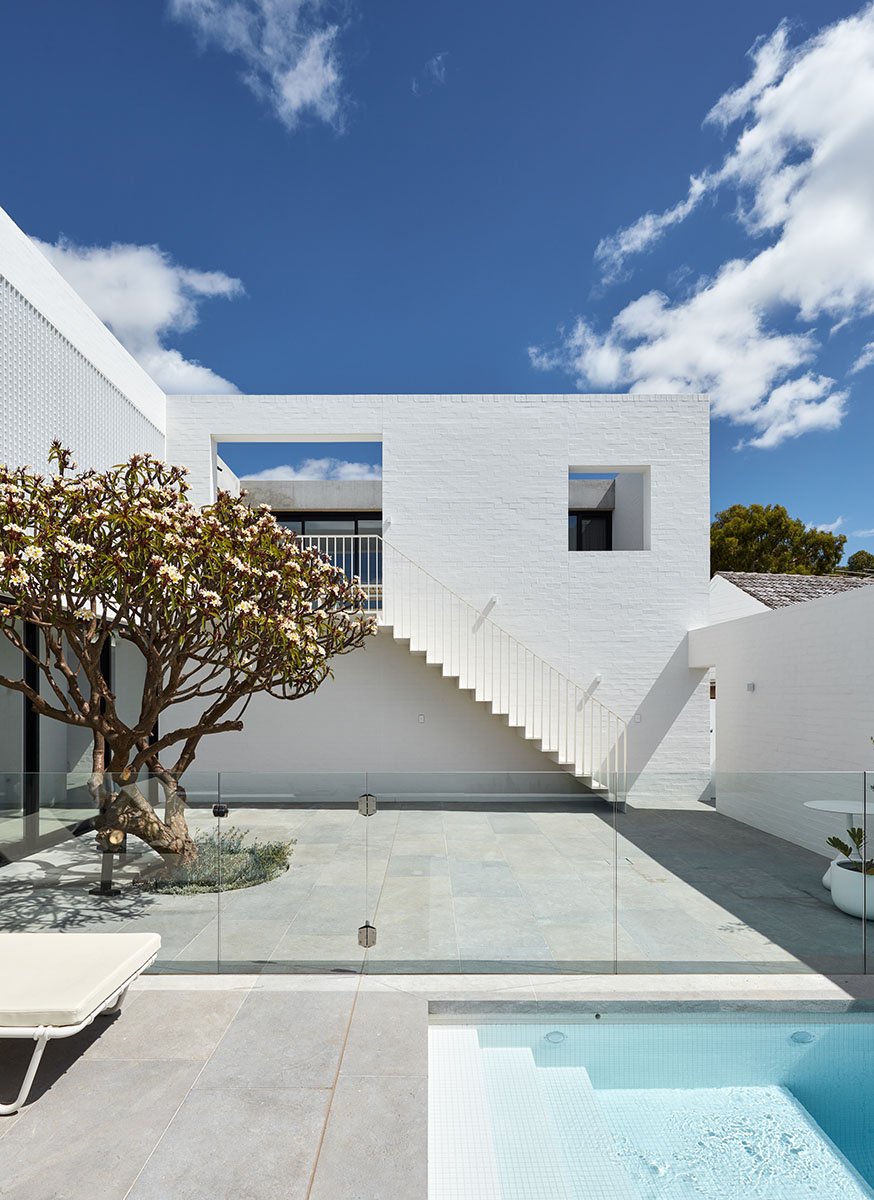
[563,720]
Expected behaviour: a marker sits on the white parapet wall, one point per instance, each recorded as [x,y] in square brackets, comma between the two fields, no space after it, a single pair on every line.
[475,491]
[794,712]
[62,373]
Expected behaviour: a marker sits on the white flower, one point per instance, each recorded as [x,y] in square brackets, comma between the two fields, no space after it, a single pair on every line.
[246,606]
[173,574]
[211,598]
[32,554]
[19,576]
[84,614]
[12,528]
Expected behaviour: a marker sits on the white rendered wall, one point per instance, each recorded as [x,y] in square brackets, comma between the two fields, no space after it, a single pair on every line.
[728,602]
[367,719]
[62,373]
[475,489]
[227,480]
[804,732]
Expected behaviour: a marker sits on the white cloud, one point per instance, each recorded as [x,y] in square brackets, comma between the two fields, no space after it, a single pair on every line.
[863,533]
[144,297]
[436,67]
[770,56]
[830,526]
[433,73]
[288,51]
[319,468]
[611,252]
[802,172]
[864,359]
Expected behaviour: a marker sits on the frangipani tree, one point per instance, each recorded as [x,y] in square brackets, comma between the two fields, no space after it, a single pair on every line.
[220,602]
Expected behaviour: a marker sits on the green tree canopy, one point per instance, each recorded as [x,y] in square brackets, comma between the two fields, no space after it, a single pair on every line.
[764,538]
[862,560]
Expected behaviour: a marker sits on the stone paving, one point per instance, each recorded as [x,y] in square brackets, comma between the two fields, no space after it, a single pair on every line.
[477,889]
[298,1087]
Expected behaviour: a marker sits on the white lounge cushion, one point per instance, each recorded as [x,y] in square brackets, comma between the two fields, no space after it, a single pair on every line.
[61,978]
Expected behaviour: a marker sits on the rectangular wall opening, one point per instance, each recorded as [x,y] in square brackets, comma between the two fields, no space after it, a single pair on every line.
[608,508]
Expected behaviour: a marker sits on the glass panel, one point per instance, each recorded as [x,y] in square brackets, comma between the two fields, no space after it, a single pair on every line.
[337,525]
[594,532]
[572,531]
[55,877]
[370,526]
[505,872]
[494,872]
[291,523]
[294,879]
[736,877]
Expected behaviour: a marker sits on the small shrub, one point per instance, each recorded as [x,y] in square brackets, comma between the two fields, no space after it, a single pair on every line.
[228,863]
[860,864]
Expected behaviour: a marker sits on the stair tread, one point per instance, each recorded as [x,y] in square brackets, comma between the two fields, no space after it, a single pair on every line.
[498,706]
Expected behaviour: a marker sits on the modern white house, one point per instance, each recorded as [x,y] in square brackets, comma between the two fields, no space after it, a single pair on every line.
[536,561]
[792,659]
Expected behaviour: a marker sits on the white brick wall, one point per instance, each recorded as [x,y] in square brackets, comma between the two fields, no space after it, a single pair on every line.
[475,490]
[62,373]
[804,733]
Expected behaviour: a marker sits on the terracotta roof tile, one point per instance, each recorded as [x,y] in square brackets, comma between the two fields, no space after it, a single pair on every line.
[777,591]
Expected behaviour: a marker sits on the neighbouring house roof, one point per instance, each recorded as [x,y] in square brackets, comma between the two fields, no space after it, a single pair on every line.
[778,591]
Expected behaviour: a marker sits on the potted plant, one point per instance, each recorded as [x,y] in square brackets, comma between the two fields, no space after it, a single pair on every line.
[852,878]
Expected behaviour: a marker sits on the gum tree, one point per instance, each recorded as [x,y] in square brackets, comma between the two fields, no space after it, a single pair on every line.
[764,538]
[220,603]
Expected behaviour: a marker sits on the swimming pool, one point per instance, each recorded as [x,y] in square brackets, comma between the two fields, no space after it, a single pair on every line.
[617,1107]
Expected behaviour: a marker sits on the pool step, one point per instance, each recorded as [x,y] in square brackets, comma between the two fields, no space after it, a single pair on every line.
[524,1133]
[503,1128]
[591,1161]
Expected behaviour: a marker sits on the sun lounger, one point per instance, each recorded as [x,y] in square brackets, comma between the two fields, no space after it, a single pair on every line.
[53,985]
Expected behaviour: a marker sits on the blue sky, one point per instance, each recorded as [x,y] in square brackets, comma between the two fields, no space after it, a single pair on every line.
[273,195]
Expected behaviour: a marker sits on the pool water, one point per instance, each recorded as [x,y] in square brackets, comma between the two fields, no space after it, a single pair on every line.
[666,1109]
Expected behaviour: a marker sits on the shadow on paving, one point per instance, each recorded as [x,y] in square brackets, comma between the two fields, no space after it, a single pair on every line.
[771,886]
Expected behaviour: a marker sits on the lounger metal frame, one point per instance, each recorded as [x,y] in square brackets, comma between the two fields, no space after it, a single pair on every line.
[42,1034]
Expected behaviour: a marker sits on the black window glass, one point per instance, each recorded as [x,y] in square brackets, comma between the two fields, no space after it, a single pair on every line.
[590,531]
[593,533]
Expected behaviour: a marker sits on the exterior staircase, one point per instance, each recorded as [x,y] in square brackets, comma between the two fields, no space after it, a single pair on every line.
[571,727]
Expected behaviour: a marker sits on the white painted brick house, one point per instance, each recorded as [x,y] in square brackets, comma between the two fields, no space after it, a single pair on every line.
[475,496]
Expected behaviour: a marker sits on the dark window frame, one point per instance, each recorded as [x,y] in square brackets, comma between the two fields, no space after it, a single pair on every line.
[303,517]
[603,514]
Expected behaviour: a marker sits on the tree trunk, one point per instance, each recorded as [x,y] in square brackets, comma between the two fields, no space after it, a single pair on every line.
[130,811]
